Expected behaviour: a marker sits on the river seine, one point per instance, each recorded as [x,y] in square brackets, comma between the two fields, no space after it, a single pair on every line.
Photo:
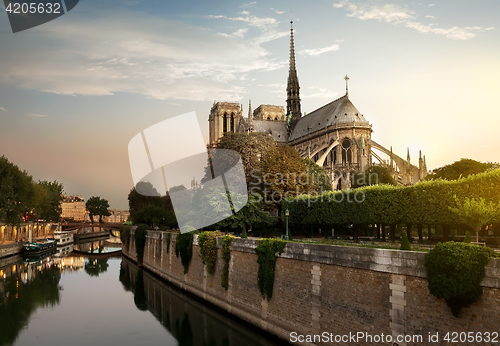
[80,300]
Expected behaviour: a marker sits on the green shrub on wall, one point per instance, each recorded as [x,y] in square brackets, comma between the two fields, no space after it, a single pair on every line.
[226,257]
[184,248]
[207,242]
[455,271]
[267,253]
[169,240]
[140,241]
[125,234]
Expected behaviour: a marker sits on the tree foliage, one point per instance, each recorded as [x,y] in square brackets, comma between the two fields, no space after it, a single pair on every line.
[16,192]
[244,218]
[250,146]
[20,196]
[282,173]
[155,216]
[374,175]
[461,169]
[97,206]
[47,200]
[427,202]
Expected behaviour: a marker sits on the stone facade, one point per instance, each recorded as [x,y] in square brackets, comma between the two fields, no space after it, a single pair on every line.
[336,136]
[333,289]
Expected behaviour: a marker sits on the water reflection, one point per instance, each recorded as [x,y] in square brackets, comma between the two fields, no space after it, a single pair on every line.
[95,266]
[97,247]
[23,289]
[187,319]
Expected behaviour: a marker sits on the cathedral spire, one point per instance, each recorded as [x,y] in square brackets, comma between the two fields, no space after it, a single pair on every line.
[293,88]
[250,116]
[346,86]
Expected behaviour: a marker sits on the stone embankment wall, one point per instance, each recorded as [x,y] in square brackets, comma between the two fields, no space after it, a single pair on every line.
[329,289]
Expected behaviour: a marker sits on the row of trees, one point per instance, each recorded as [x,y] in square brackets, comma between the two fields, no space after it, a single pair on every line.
[435,202]
[22,198]
[271,172]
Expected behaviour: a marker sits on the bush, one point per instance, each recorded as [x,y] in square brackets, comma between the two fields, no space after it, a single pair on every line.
[140,241]
[267,250]
[226,257]
[455,271]
[184,248]
[208,249]
[405,244]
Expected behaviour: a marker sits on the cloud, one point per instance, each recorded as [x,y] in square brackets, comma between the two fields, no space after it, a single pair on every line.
[266,25]
[429,16]
[244,13]
[250,4]
[430,5]
[278,12]
[397,15]
[318,51]
[319,93]
[106,52]
[3,109]
[38,115]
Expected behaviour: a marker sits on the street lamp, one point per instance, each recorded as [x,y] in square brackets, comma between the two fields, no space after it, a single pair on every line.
[287,212]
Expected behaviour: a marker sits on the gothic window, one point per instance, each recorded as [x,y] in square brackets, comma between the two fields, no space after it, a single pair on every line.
[346,151]
[231,128]
[334,156]
[224,123]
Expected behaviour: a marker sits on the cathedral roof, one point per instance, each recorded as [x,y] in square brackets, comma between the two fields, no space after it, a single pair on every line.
[277,129]
[338,113]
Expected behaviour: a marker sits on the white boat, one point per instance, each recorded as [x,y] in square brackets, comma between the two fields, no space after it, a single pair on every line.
[63,238]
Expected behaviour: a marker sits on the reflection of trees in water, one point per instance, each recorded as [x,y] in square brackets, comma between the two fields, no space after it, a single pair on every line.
[94,267]
[186,319]
[184,333]
[125,276]
[20,300]
[140,293]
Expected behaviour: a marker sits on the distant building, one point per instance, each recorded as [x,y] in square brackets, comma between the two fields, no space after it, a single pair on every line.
[336,136]
[117,216]
[73,208]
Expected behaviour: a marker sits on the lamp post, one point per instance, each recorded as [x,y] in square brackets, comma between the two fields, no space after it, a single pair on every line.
[287,212]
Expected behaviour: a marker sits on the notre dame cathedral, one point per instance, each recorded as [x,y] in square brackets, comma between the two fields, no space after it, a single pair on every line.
[336,136]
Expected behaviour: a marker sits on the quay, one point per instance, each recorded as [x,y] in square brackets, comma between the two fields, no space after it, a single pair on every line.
[323,288]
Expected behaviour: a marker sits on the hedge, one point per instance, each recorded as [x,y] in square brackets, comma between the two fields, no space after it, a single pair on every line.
[426,202]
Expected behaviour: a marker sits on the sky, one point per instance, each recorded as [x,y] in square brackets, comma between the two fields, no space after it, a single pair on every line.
[76,90]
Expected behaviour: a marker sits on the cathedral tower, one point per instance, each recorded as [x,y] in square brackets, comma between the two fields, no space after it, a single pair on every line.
[293,88]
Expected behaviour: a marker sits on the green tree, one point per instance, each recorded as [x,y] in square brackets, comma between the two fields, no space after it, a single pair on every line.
[374,175]
[16,192]
[97,206]
[47,200]
[244,218]
[461,169]
[476,213]
[318,175]
[142,195]
[250,146]
[281,174]
[155,216]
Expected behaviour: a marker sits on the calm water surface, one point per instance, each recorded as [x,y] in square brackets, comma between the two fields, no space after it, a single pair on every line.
[85,301]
